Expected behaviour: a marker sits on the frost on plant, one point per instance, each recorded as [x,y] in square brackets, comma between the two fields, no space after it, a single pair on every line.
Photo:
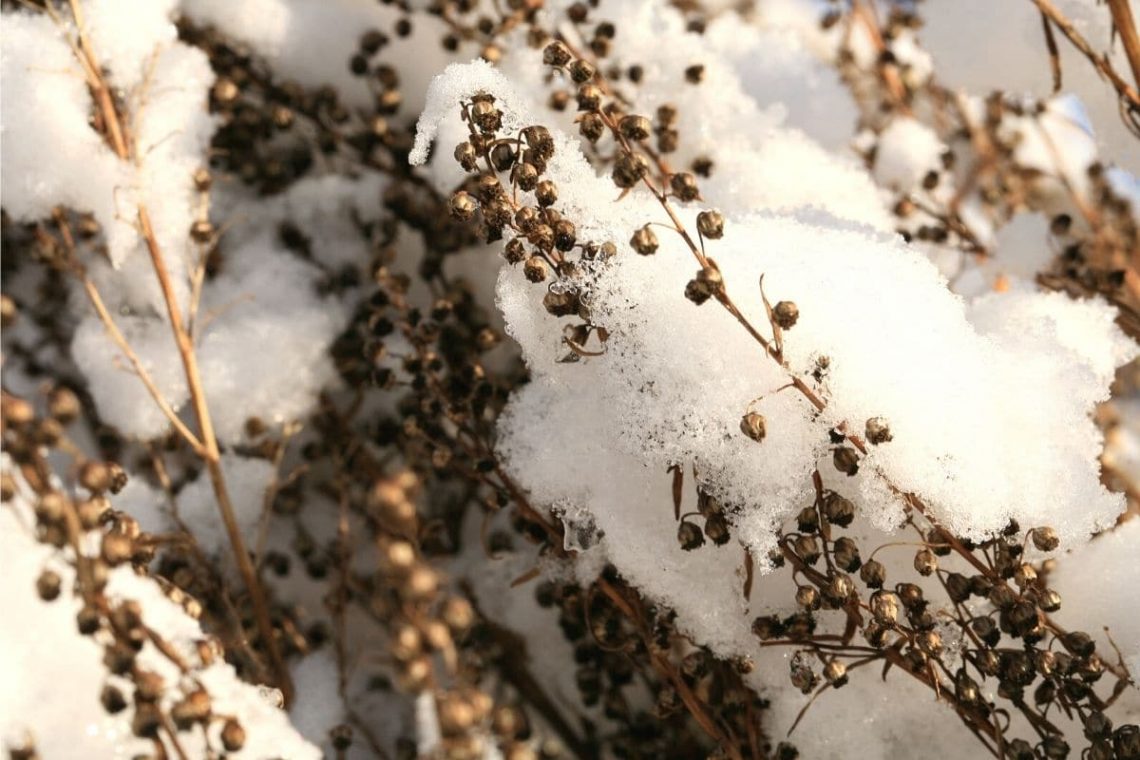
[542,380]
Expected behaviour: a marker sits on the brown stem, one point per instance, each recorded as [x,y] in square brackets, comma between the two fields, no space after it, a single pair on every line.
[1125,24]
[213,458]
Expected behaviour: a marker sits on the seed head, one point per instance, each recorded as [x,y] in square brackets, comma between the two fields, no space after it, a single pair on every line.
[592,127]
[233,736]
[462,206]
[925,562]
[1045,539]
[556,54]
[836,673]
[689,536]
[877,431]
[635,127]
[845,460]
[582,71]
[546,193]
[753,425]
[873,573]
[589,97]
[644,241]
[629,169]
[838,510]
[684,186]
[535,269]
[785,314]
[710,224]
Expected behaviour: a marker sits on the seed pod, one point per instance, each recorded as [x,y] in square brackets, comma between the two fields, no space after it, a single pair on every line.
[48,585]
[785,314]
[911,596]
[684,186]
[1049,600]
[925,562]
[958,587]
[846,554]
[807,597]
[807,549]
[535,269]
[96,477]
[564,235]
[112,699]
[589,97]
[116,549]
[716,528]
[836,673]
[1045,539]
[885,607]
[634,127]
[754,426]
[877,431]
[838,510]
[233,736]
[1079,643]
[556,54]
[845,460]
[561,304]
[525,176]
[63,405]
[195,708]
[546,193]
[695,74]
[710,224]
[629,169]
[582,71]
[807,521]
[592,127]
[930,642]
[767,627]
[838,590]
[458,614]
[689,536]
[462,206]
[873,573]
[644,241]
[486,117]
[1025,575]
[514,251]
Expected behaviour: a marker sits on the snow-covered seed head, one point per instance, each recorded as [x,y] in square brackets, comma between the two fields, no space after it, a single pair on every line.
[785,314]
[754,426]
[839,510]
[462,206]
[873,573]
[689,536]
[485,116]
[644,241]
[1045,539]
[836,673]
[684,186]
[710,224]
[535,269]
[561,304]
[877,431]
[634,127]
[846,460]
[556,54]
[925,562]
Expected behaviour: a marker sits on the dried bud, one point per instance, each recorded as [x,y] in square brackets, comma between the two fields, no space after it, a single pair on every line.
[556,54]
[873,573]
[561,304]
[689,536]
[48,585]
[629,169]
[845,552]
[807,520]
[836,673]
[546,193]
[807,549]
[233,736]
[592,127]
[684,186]
[785,314]
[486,117]
[767,627]
[807,597]
[1045,539]
[1025,575]
[710,224]
[877,431]
[706,284]
[525,176]
[634,127]
[589,97]
[753,425]
[846,460]
[582,71]
[838,510]
[564,235]
[462,206]
[925,562]
[535,269]
[716,528]
[958,587]
[644,241]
